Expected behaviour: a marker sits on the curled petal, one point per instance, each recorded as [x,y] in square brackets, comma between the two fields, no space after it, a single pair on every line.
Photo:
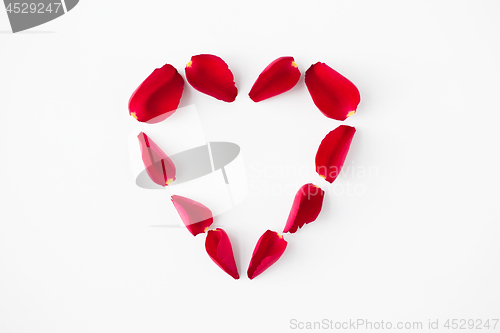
[332,152]
[159,166]
[334,95]
[268,250]
[306,207]
[196,217]
[158,96]
[210,75]
[279,76]
[219,248]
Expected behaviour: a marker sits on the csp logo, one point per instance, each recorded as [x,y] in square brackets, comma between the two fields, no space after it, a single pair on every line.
[28,14]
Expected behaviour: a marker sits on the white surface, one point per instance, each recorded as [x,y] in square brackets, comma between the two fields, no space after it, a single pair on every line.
[416,238]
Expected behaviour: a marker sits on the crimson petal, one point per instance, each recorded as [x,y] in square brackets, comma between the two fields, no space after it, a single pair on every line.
[196,217]
[219,248]
[332,152]
[158,96]
[334,95]
[306,207]
[268,250]
[279,76]
[159,166]
[210,75]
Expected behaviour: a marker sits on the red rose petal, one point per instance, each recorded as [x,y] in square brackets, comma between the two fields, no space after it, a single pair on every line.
[195,216]
[334,95]
[268,250]
[210,75]
[219,248]
[279,76]
[306,207]
[158,96]
[159,166]
[332,152]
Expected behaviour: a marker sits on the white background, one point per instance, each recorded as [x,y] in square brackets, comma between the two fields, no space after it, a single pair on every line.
[418,241]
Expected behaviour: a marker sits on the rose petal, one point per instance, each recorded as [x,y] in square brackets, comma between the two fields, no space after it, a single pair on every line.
[268,250]
[159,166]
[332,152]
[279,76]
[196,217]
[219,248]
[158,96]
[306,207]
[334,95]
[210,75]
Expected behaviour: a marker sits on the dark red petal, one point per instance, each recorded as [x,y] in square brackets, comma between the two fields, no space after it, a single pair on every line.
[279,76]
[158,96]
[268,250]
[332,152]
[219,248]
[334,95]
[159,166]
[195,216]
[210,75]
[306,207]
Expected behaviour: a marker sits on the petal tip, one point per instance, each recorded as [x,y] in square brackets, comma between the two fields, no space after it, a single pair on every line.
[211,75]
[278,77]
[270,247]
[159,166]
[219,249]
[158,96]
[306,207]
[334,95]
[332,152]
[195,216]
